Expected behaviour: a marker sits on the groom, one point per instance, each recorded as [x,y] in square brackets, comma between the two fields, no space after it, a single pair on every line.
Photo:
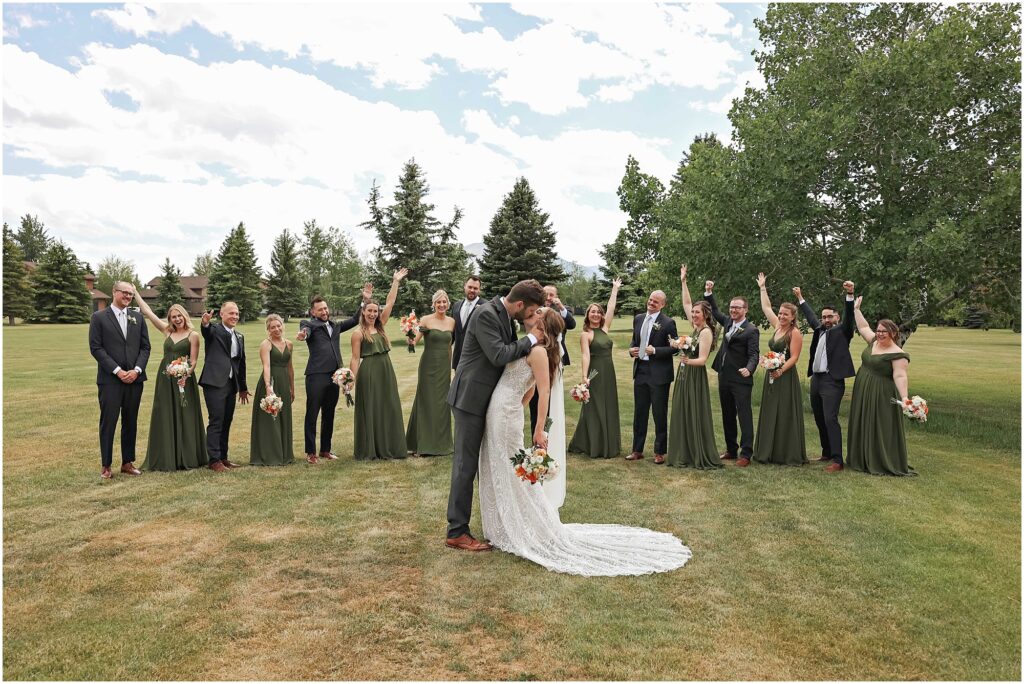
[490,345]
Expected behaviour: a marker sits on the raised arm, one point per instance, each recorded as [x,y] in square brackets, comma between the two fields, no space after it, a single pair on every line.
[766,302]
[862,323]
[613,299]
[687,300]
[148,312]
[396,279]
[353,321]
[805,308]
[709,297]
[848,307]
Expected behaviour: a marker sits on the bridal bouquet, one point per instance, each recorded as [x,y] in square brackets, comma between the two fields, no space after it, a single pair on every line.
[914,408]
[772,361]
[271,404]
[581,392]
[344,379]
[179,369]
[410,326]
[534,465]
[685,342]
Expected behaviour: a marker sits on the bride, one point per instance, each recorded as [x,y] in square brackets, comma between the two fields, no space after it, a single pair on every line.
[519,518]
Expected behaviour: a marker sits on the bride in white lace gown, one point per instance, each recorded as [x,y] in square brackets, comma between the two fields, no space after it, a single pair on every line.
[519,518]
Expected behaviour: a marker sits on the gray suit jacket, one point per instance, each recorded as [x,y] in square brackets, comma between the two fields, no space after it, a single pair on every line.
[489,346]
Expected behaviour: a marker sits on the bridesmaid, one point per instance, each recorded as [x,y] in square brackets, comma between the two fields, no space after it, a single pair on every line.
[597,432]
[378,419]
[876,442]
[177,436]
[780,425]
[691,434]
[430,423]
[270,438]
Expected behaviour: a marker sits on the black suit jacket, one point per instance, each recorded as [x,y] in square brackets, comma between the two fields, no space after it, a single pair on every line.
[742,351]
[111,348]
[460,330]
[837,342]
[218,363]
[659,369]
[570,324]
[490,345]
[325,350]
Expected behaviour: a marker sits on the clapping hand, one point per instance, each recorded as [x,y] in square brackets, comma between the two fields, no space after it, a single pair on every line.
[797,293]
[761,279]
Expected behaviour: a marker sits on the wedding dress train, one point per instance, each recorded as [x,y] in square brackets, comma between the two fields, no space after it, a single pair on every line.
[518,517]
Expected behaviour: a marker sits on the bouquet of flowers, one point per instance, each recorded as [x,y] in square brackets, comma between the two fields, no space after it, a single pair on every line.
[686,343]
[581,392]
[344,379]
[410,325]
[914,408]
[271,403]
[534,465]
[179,369]
[772,361]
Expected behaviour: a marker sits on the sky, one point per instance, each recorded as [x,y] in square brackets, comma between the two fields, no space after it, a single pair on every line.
[148,131]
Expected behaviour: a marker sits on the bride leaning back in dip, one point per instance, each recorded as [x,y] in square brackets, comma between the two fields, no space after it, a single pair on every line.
[518,518]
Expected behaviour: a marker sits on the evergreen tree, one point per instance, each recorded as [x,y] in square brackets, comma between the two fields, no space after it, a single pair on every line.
[620,261]
[169,288]
[520,244]
[315,261]
[33,238]
[18,292]
[451,260]
[203,265]
[236,276]
[330,268]
[284,293]
[113,269]
[59,281]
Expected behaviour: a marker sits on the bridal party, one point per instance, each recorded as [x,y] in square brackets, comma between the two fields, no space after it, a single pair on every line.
[670,365]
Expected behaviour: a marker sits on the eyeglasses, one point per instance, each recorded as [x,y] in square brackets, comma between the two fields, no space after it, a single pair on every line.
[737,307]
[881,332]
[123,291]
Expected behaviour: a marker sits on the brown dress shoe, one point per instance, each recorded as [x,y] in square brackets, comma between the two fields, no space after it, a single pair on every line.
[726,456]
[105,473]
[659,459]
[834,468]
[635,456]
[327,456]
[229,464]
[742,462]
[311,458]
[130,469]
[218,467]
[466,542]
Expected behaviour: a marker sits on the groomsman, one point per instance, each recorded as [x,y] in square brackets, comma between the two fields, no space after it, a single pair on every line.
[551,300]
[463,311]
[828,369]
[222,380]
[735,364]
[652,375]
[119,342]
[323,340]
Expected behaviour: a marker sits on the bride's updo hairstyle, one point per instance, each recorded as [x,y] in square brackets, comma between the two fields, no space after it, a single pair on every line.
[552,324]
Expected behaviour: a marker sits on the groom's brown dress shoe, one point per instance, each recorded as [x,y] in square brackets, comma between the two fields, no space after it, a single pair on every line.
[229,464]
[834,468]
[742,462]
[106,474]
[659,459]
[218,467]
[327,456]
[635,456]
[466,542]
[311,458]
[130,469]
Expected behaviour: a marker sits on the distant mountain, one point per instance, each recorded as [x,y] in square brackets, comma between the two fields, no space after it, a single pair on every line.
[476,250]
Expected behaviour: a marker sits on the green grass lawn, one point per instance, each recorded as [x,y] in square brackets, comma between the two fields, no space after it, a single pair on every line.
[338,571]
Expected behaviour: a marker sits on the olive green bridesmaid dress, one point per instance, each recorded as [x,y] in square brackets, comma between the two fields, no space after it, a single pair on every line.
[430,423]
[691,432]
[597,431]
[876,443]
[177,436]
[780,424]
[270,439]
[379,433]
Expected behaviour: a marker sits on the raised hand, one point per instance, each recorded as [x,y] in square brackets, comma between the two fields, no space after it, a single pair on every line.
[302,334]
[367,291]
[709,285]
[797,293]
[761,280]
[682,273]
[207,315]
[848,286]
[400,274]
[617,283]
[856,303]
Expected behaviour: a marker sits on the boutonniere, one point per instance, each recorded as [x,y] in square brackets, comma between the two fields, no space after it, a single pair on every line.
[516,323]
[132,321]
[657,326]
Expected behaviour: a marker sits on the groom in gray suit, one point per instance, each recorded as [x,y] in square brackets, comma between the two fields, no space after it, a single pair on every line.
[490,344]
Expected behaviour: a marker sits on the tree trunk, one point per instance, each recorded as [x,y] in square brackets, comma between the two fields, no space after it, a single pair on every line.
[908,326]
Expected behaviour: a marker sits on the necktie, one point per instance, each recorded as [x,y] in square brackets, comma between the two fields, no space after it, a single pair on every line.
[122,320]
[330,332]
[466,308]
[645,337]
[820,354]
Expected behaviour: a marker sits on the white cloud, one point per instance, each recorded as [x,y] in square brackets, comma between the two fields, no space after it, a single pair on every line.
[752,79]
[193,52]
[631,46]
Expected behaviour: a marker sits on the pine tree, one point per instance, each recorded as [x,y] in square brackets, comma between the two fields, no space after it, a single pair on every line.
[284,293]
[236,276]
[18,292]
[315,261]
[33,238]
[59,281]
[169,288]
[620,261]
[520,244]
[451,260]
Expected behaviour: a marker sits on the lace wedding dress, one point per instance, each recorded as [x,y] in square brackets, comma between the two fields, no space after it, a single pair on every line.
[519,519]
